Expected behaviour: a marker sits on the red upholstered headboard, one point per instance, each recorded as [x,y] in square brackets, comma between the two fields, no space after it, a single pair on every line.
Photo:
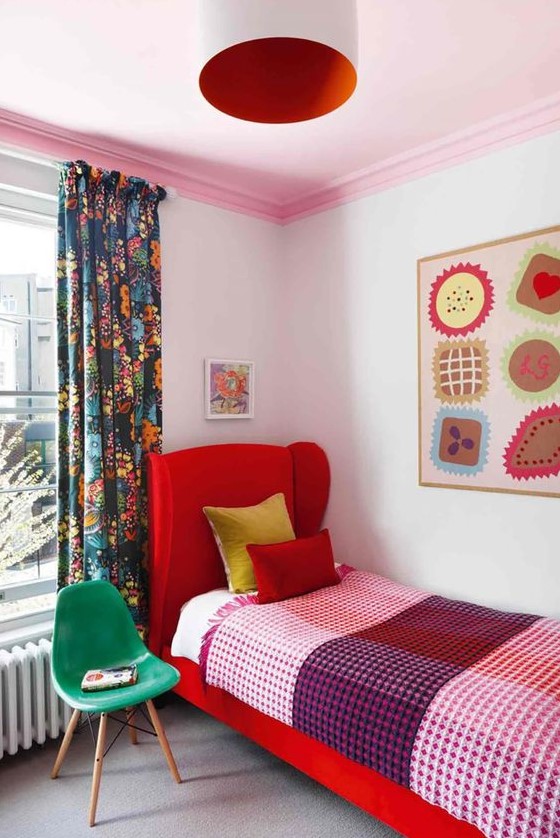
[184,559]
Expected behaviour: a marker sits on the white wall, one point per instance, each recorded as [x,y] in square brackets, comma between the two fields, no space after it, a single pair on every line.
[326,307]
[349,345]
[221,291]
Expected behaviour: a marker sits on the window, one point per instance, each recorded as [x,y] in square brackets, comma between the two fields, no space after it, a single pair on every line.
[28,384]
[9,304]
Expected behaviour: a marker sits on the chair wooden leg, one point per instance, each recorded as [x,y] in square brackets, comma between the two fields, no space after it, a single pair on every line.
[163,740]
[132,732]
[65,743]
[97,767]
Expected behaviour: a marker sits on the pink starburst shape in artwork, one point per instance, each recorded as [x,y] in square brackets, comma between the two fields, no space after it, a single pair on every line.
[461,298]
[534,449]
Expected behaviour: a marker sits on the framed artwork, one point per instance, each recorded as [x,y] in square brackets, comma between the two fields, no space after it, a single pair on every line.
[229,389]
[489,366]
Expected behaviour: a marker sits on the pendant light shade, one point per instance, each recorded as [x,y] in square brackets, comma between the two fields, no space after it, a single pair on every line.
[278,60]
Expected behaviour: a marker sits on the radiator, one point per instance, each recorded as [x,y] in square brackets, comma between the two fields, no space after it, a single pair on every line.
[30,710]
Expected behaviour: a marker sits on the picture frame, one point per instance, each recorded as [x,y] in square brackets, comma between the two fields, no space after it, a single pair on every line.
[229,389]
[489,366]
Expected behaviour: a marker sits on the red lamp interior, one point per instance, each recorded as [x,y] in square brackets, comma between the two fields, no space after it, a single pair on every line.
[278,80]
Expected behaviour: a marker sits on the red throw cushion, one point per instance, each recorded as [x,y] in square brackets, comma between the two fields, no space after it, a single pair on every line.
[292,568]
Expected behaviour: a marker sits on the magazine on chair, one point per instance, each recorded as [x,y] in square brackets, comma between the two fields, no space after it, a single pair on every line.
[108,679]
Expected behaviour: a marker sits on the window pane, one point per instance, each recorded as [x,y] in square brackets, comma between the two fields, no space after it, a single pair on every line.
[33,447]
[27,536]
[23,452]
[28,249]
[50,452]
[27,350]
[28,421]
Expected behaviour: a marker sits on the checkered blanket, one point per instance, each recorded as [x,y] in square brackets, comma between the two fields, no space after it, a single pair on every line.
[457,702]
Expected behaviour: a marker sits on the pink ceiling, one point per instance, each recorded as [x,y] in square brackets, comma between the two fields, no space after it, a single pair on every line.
[125,72]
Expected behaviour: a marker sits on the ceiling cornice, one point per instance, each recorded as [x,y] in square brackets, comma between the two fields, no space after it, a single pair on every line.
[542,117]
[55,143]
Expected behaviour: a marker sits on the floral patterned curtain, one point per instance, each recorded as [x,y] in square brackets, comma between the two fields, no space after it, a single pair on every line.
[109,359]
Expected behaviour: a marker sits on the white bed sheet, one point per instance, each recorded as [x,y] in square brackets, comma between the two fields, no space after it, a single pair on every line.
[194,622]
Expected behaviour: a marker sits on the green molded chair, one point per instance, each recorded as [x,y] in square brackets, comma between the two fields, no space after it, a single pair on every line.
[93,629]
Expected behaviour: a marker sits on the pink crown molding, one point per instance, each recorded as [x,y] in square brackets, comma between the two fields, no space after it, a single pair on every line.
[542,117]
[56,143]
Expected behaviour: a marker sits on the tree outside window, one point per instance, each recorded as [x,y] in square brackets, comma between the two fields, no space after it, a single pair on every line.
[28,413]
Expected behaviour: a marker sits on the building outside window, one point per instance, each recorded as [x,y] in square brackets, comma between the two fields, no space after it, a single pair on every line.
[28,385]
[8,304]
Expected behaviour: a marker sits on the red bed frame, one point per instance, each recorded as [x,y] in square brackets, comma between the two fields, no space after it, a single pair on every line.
[185,562]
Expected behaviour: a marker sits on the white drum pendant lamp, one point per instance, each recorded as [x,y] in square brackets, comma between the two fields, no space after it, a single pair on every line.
[278,60]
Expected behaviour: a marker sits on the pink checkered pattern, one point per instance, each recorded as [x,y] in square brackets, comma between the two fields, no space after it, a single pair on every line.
[488,748]
[257,652]
[530,658]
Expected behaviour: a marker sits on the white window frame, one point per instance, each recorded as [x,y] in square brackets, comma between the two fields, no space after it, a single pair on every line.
[24,205]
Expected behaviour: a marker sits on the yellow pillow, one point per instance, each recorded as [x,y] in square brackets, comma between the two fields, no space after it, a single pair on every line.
[234,528]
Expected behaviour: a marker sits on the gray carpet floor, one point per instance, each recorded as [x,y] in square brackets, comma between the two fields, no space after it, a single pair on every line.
[231,788]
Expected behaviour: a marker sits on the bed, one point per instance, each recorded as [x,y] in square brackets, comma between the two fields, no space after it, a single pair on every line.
[185,563]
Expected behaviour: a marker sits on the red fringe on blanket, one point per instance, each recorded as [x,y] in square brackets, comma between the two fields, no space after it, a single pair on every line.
[224,611]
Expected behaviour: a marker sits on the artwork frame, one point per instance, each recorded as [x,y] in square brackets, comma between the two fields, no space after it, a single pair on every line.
[218,404]
[504,397]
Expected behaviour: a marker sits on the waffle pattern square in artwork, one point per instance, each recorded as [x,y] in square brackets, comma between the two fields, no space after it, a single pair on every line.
[459,702]
[460,371]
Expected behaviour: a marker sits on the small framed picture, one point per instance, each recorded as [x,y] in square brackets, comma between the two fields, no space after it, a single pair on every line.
[229,389]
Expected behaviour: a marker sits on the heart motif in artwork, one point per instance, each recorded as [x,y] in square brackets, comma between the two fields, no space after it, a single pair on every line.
[546,284]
